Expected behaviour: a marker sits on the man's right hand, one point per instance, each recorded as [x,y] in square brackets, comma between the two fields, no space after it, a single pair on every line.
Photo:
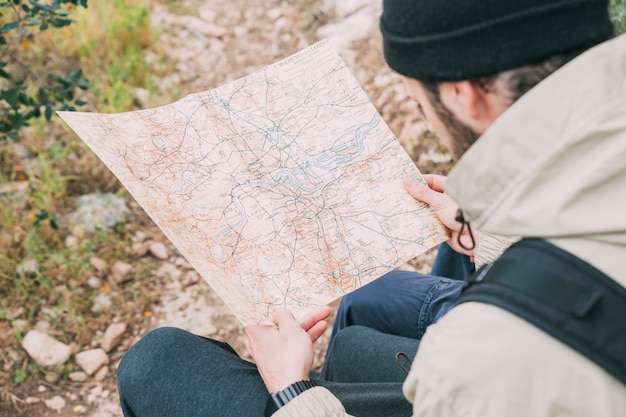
[445,208]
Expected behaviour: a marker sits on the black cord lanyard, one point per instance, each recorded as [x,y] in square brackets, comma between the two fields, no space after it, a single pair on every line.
[459,218]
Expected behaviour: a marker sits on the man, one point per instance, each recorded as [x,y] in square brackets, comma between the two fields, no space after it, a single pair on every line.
[543,87]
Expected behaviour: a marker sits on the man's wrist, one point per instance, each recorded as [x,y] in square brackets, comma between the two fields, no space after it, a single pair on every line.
[282,397]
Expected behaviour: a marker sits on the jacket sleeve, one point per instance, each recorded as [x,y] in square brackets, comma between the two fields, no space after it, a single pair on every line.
[491,246]
[427,402]
[315,402]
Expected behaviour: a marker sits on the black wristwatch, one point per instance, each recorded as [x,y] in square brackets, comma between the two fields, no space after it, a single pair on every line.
[280,398]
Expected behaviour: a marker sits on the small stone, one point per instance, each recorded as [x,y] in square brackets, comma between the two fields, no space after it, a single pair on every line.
[96,391]
[45,350]
[94,282]
[191,278]
[20,325]
[28,268]
[113,336]
[32,400]
[91,360]
[159,250]
[169,271]
[48,312]
[240,31]
[13,314]
[71,241]
[42,388]
[101,374]
[95,211]
[78,231]
[142,97]
[274,13]
[78,376]
[121,272]
[43,325]
[139,236]
[180,261]
[214,31]
[100,264]
[56,403]
[140,248]
[101,303]
[52,377]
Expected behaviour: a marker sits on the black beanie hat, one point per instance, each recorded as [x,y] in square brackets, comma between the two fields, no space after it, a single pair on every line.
[452,40]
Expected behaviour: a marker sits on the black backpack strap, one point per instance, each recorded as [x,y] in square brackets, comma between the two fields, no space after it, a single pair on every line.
[560,294]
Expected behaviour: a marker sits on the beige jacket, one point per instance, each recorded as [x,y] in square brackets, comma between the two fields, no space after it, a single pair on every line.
[553,166]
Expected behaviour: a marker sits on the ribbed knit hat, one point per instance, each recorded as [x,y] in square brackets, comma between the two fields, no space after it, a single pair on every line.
[452,40]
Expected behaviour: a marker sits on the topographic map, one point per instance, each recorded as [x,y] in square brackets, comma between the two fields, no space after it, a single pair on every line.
[282,188]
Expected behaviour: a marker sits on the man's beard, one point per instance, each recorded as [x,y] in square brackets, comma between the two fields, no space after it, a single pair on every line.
[461,135]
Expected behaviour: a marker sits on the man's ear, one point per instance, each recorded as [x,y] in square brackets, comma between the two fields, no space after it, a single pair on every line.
[470,103]
[470,96]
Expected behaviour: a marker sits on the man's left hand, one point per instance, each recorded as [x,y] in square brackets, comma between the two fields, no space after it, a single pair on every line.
[284,352]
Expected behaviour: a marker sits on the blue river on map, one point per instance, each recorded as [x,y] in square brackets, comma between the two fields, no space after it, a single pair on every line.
[302,178]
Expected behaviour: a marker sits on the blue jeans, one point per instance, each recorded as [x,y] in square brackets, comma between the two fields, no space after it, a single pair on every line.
[405,303]
[171,372]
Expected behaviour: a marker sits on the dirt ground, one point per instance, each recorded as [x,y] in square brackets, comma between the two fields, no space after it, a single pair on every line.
[211,42]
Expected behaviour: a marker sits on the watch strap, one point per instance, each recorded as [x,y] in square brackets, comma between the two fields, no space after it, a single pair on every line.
[281,398]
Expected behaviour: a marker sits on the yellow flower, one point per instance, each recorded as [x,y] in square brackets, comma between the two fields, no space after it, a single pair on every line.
[26,45]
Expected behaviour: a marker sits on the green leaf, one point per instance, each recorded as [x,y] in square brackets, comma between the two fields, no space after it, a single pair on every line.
[83,84]
[80,102]
[59,23]
[16,120]
[9,26]
[11,97]
[20,376]
[43,96]
[59,80]
[74,77]
[48,112]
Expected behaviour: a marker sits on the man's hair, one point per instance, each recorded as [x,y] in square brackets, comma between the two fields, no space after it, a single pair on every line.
[517,81]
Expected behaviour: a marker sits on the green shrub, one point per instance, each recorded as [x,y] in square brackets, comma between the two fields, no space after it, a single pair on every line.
[30,91]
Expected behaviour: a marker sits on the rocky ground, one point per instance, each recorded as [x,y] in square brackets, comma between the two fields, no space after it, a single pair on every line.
[211,42]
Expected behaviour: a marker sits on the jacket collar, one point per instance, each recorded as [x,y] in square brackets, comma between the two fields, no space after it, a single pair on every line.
[554,164]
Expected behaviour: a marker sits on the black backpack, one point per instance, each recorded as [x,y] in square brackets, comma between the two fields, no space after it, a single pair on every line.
[560,294]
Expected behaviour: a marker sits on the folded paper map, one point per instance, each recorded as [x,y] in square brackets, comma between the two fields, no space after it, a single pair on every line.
[283,189]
